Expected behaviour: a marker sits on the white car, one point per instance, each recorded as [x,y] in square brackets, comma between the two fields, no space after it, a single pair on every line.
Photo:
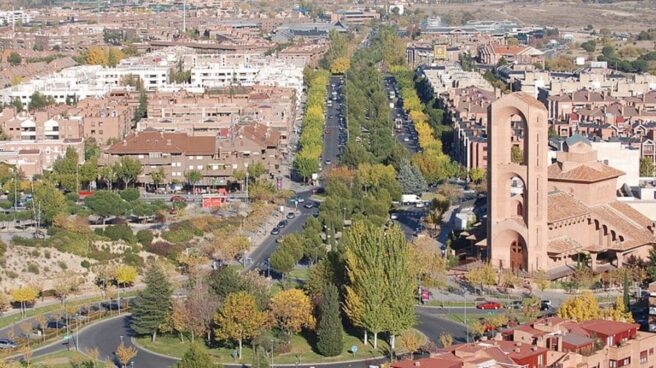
[419,204]
[394,216]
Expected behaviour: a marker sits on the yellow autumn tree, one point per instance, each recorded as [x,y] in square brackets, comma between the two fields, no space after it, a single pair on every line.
[483,275]
[616,312]
[340,65]
[24,295]
[581,308]
[125,275]
[291,311]
[239,318]
[97,55]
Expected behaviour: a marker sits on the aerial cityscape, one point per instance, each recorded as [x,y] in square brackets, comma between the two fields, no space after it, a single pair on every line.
[328,183]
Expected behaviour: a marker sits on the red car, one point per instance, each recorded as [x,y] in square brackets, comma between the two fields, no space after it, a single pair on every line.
[178,198]
[489,305]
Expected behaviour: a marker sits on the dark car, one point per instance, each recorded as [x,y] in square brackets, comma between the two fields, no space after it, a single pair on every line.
[291,215]
[7,344]
[282,224]
[545,305]
[56,325]
[275,231]
[308,205]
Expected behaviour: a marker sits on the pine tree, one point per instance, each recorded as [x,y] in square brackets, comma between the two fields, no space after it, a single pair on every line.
[195,357]
[153,304]
[329,333]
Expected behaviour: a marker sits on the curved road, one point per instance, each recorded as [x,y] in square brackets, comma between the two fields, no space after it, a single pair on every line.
[107,335]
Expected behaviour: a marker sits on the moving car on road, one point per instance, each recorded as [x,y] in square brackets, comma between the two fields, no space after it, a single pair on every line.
[489,305]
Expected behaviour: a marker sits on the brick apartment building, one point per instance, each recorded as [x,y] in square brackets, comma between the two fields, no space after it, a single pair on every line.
[551,342]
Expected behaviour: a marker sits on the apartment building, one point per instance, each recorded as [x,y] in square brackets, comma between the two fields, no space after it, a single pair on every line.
[491,54]
[447,76]
[105,119]
[551,342]
[217,158]
[34,157]
[15,17]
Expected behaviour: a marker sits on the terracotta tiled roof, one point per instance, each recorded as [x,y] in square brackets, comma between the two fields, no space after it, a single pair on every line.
[585,172]
[437,362]
[627,222]
[563,206]
[563,244]
[154,141]
[607,328]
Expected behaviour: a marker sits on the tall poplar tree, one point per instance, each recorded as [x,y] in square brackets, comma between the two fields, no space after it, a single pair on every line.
[400,286]
[365,292]
[329,332]
[153,304]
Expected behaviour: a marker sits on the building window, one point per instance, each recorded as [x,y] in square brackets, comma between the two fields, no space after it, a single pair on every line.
[612,364]
[643,357]
[611,340]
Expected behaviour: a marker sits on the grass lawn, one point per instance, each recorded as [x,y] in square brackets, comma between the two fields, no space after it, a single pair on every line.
[63,359]
[299,273]
[171,345]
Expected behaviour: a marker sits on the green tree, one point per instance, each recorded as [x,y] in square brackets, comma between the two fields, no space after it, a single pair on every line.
[153,304]
[14,58]
[18,104]
[516,155]
[195,357]
[589,46]
[260,358]
[193,177]
[626,290]
[158,176]
[49,201]
[128,169]
[411,179]
[106,204]
[477,175]
[365,291]
[111,58]
[330,341]
[39,101]
[282,261]
[142,110]
[66,170]
[306,166]
[239,319]
[646,167]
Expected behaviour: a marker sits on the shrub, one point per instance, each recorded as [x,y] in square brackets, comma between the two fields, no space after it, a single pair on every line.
[35,253]
[62,265]
[5,204]
[98,231]
[86,264]
[47,254]
[120,232]
[33,268]
[145,237]
[11,274]
[72,197]
[130,194]
[132,259]
[165,249]
[3,248]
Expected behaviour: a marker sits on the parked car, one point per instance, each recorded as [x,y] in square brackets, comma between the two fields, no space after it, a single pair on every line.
[516,304]
[489,305]
[7,344]
[282,224]
[291,215]
[177,198]
[300,199]
[545,305]
[56,325]
[308,205]
[275,231]
[394,215]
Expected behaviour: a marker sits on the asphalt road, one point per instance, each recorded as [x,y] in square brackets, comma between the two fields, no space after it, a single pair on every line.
[259,257]
[406,134]
[335,123]
[107,335]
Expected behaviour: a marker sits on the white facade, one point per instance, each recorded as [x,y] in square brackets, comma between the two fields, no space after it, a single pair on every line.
[452,76]
[15,17]
[621,157]
[153,77]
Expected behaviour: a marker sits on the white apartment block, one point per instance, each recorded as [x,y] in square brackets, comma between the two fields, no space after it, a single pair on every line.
[15,17]
[448,76]
[153,77]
